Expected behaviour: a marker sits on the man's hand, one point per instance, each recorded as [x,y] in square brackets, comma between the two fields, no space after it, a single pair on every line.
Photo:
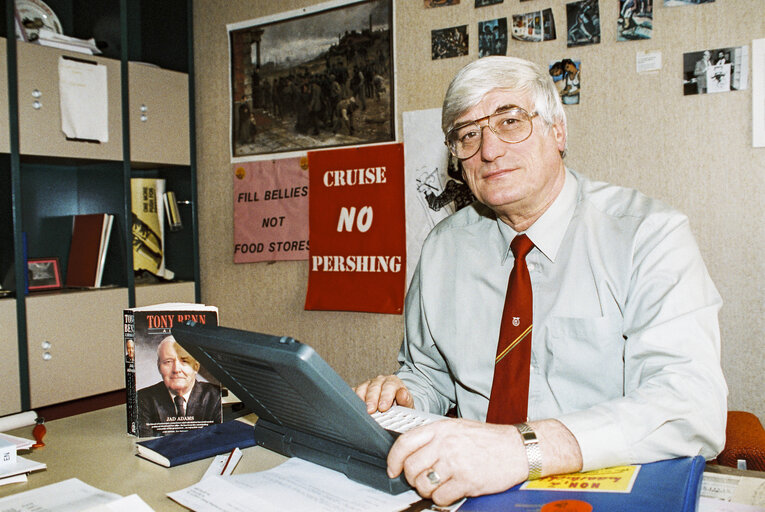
[382,392]
[448,460]
[463,458]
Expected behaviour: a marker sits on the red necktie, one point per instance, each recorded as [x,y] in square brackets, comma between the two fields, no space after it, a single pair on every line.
[509,399]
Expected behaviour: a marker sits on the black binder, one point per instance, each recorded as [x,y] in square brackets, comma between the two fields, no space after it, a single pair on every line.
[304,408]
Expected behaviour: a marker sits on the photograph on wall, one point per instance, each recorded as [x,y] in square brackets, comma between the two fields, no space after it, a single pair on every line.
[492,37]
[567,77]
[450,42]
[439,3]
[534,26]
[676,3]
[583,23]
[484,3]
[434,186]
[271,210]
[312,78]
[715,70]
[635,20]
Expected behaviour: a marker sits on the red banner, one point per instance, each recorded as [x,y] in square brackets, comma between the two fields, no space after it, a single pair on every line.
[270,210]
[357,259]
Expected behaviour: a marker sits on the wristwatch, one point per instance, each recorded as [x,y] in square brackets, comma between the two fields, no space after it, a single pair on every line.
[533,451]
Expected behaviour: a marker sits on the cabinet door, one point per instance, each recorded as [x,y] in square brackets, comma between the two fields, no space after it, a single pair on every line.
[40,109]
[5,146]
[75,344]
[159,115]
[150,294]
[10,394]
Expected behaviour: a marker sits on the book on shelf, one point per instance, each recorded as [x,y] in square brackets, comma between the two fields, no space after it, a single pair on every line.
[166,389]
[673,484]
[148,226]
[87,252]
[175,449]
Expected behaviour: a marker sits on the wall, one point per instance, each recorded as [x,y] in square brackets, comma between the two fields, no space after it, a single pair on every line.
[693,152]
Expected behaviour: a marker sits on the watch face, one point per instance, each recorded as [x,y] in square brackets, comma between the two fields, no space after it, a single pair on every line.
[34,15]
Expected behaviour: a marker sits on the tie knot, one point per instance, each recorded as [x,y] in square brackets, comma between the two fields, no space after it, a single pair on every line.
[521,245]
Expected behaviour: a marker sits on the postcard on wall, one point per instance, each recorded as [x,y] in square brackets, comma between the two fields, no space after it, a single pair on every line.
[434,187]
[492,37]
[716,70]
[271,210]
[758,93]
[449,42]
[635,20]
[312,78]
[676,3]
[357,229]
[583,23]
[534,26]
[439,3]
[566,73]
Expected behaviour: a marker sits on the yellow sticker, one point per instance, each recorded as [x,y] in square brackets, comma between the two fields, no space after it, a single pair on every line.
[616,479]
[304,163]
[240,173]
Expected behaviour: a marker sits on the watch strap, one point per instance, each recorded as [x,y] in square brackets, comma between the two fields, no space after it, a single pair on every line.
[533,451]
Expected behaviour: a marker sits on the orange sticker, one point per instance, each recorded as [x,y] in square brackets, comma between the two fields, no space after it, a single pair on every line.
[304,163]
[240,173]
[567,506]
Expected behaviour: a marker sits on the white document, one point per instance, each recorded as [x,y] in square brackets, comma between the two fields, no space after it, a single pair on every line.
[296,485]
[714,505]
[734,489]
[22,466]
[132,503]
[71,495]
[84,100]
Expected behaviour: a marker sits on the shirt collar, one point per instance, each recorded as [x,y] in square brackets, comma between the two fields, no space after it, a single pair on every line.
[548,230]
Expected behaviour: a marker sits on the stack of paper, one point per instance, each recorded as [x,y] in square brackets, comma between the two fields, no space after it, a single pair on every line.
[49,38]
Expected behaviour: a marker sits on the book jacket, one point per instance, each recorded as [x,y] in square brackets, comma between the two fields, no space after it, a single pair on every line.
[167,389]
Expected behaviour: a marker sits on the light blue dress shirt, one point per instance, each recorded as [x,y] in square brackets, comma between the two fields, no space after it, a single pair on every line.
[625,342]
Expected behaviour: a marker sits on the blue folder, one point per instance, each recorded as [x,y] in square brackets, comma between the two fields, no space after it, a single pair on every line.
[670,485]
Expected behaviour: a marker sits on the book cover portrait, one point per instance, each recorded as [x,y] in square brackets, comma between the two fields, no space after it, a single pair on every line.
[170,392]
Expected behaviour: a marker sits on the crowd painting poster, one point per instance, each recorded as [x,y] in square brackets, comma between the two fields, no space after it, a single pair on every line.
[271,210]
[357,230]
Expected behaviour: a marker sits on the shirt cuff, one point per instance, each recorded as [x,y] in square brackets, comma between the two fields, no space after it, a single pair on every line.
[600,439]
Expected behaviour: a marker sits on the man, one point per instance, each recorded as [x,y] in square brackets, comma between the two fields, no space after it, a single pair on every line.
[623,364]
[179,398]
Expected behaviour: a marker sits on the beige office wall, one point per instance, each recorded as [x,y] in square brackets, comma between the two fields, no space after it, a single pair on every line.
[694,152]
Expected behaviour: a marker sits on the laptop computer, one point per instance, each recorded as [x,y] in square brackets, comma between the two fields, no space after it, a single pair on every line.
[304,407]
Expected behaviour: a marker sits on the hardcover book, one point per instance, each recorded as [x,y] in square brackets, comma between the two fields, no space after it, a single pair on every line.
[87,252]
[167,389]
[184,447]
[673,484]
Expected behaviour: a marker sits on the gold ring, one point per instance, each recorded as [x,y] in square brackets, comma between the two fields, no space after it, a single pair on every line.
[433,477]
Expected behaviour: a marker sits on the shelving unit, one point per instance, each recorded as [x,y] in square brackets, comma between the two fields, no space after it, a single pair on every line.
[67,344]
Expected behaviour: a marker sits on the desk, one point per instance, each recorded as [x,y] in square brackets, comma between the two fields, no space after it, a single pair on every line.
[95,448]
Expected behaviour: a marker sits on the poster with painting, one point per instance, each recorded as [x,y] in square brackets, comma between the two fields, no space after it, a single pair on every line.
[312,78]
[566,73]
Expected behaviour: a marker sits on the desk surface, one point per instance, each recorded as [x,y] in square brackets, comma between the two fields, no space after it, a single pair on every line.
[95,448]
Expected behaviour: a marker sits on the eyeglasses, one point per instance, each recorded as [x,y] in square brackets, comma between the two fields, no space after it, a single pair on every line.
[511,125]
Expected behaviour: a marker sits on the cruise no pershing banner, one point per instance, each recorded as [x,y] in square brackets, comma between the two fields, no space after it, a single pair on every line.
[357,229]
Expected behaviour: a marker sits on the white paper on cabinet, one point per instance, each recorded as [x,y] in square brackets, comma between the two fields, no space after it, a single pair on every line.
[84,100]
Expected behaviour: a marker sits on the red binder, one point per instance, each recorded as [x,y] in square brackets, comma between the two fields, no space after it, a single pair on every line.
[90,236]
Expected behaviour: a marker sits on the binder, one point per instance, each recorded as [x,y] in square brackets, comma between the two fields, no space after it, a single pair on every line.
[87,252]
[671,485]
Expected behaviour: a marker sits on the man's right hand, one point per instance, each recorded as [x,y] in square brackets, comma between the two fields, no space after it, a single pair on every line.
[382,392]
